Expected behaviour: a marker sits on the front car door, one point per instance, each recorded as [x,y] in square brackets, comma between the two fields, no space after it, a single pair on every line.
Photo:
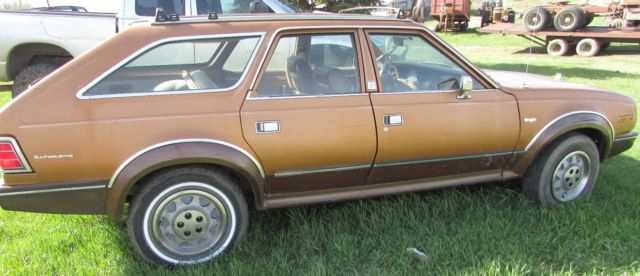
[426,132]
[308,119]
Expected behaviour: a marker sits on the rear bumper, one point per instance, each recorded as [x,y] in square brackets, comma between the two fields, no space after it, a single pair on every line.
[71,198]
[623,143]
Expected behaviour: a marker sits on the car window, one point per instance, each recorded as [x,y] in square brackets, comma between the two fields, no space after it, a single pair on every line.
[227,6]
[322,64]
[410,63]
[205,64]
[148,7]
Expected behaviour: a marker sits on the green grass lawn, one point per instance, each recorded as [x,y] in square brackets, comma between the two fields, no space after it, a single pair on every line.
[481,229]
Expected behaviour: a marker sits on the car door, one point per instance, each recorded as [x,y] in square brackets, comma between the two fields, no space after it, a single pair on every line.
[424,130]
[308,118]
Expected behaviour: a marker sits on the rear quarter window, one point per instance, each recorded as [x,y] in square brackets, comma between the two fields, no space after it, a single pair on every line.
[208,64]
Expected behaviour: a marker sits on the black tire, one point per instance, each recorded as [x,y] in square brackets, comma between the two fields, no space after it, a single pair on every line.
[588,47]
[565,171]
[558,47]
[535,19]
[187,232]
[568,19]
[588,18]
[464,26]
[28,75]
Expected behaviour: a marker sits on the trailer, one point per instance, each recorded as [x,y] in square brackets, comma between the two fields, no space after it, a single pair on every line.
[588,42]
[451,14]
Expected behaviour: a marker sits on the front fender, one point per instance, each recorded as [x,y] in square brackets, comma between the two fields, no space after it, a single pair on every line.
[182,152]
[587,122]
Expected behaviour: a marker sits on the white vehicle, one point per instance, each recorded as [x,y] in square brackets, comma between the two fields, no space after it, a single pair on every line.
[35,43]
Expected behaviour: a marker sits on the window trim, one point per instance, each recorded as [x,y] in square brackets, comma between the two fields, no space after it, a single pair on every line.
[282,32]
[80,94]
[423,30]
[369,33]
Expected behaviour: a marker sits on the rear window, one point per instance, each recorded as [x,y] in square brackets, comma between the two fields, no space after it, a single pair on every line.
[191,65]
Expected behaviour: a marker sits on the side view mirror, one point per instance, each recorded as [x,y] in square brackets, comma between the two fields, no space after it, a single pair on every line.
[465,87]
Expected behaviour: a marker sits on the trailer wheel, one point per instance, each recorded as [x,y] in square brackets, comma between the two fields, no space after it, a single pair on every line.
[558,47]
[536,18]
[568,19]
[588,47]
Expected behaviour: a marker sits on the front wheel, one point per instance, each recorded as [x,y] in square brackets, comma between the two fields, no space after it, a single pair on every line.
[187,215]
[565,171]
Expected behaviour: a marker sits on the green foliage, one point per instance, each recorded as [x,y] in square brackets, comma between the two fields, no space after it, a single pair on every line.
[486,229]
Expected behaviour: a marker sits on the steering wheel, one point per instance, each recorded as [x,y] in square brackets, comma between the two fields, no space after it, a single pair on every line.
[191,84]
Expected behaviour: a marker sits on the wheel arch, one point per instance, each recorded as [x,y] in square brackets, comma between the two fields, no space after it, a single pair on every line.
[594,125]
[26,54]
[202,152]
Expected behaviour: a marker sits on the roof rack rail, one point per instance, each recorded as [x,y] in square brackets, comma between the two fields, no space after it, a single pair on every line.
[161,16]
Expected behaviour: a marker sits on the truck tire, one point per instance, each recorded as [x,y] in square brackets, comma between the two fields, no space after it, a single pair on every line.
[588,47]
[563,172]
[187,215]
[558,47]
[536,18]
[28,75]
[569,19]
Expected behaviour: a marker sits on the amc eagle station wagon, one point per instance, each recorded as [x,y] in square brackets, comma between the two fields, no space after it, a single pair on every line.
[189,122]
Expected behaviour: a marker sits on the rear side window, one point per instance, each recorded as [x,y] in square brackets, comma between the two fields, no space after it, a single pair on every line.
[148,7]
[202,64]
[305,65]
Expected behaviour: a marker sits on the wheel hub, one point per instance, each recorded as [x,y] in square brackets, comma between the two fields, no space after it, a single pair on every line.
[571,176]
[189,222]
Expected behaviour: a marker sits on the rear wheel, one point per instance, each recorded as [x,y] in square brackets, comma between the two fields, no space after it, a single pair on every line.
[28,75]
[187,215]
[563,172]
[558,47]
[588,47]
[535,19]
[568,19]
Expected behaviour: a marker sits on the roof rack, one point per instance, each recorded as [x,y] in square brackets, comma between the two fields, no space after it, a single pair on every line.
[163,19]
[161,16]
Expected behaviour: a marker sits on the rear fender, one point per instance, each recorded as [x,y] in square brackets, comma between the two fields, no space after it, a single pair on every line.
[183,152]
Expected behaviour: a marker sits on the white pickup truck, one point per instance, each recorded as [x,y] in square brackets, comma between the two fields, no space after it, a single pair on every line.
[35,43]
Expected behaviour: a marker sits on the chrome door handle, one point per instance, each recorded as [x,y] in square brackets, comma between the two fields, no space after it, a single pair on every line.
[393,120]
[268,127]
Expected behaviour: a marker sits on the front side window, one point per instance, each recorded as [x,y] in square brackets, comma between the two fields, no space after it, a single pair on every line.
[409,63]
[323,64]
[203,64]
[148,7]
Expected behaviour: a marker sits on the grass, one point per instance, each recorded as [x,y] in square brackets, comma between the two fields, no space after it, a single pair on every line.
[482,229]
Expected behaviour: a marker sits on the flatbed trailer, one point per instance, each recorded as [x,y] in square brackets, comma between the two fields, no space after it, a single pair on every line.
[587,42]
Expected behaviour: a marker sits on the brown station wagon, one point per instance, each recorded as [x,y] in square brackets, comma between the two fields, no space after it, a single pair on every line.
[188,123]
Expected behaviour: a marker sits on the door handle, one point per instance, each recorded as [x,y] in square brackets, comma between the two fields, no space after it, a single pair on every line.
[393,120]
[268,127]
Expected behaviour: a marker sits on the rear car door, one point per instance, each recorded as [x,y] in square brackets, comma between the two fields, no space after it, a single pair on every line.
[424,130]
[308,118]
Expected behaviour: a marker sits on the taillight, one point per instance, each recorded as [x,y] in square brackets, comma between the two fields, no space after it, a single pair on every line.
[11,158]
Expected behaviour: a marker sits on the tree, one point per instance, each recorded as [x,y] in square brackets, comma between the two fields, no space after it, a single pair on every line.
[16,6]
